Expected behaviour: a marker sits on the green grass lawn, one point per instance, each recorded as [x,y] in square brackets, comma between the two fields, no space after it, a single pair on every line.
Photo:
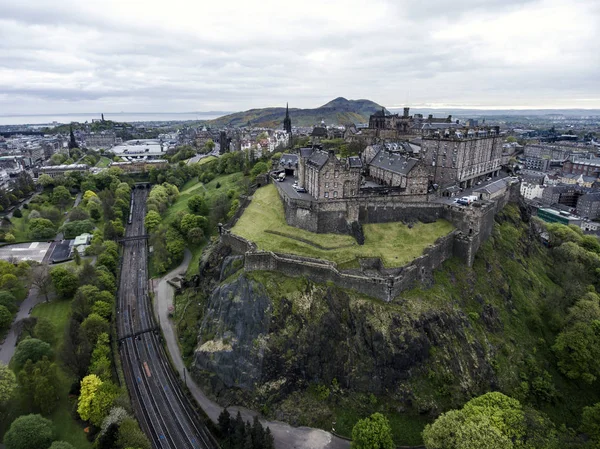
[103,162]
[67,429]
[195,187]
[395,243]
[206,160]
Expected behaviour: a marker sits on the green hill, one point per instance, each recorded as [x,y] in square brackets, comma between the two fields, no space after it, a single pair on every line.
[339,111]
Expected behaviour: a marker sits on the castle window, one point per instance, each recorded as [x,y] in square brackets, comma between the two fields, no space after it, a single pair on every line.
[327,174]
[337,174]
[335,184]
[352,192]
[326,185]
[335,194]
[326,194]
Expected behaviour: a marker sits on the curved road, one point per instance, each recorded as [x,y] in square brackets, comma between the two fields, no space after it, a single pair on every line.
[286,436]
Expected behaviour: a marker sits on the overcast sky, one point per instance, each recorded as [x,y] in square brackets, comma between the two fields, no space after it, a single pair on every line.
[175,56]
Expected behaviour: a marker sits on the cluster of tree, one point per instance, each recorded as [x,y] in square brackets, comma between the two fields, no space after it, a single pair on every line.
[33,431]
[236,434]
[493,421]
[11,291]
[372,432]
[18,188]
[180,153]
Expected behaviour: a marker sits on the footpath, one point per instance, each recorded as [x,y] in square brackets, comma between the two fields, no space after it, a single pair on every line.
[286,436]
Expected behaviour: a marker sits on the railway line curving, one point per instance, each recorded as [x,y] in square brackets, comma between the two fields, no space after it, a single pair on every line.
[164,412]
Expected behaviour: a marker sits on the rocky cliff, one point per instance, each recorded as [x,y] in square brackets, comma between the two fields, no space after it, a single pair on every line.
[312,353]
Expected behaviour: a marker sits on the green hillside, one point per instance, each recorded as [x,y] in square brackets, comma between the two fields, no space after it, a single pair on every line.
[339,111]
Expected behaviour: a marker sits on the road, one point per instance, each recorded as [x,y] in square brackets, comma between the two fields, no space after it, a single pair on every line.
[7,349]
[286,436]
[164,413]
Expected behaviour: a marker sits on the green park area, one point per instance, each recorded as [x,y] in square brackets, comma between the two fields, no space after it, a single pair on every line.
[263,222]
[103,162]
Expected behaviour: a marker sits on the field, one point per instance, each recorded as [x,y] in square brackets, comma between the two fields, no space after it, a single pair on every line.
[67,429]
[395,243]
[103,162]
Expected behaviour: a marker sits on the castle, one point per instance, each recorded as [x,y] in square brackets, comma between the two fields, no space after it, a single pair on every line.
[400,181]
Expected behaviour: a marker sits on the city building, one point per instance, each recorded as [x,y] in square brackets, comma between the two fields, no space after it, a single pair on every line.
[61,170]
[323,175]
[558,216]
[462,156]
[588,205]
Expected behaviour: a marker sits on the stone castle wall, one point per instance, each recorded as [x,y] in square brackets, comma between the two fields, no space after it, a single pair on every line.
[383,287]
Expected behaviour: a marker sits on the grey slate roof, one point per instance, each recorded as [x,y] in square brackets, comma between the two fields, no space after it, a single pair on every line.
[354,162]
[393,162]
[492,187]
[318,159]
[289,160]
[306,152]
[319,131]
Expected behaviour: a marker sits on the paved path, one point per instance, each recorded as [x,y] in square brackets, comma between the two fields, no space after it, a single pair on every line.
[7,349]
[286,436]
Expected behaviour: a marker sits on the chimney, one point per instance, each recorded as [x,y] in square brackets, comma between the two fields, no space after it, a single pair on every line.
[430,117]
[406,112]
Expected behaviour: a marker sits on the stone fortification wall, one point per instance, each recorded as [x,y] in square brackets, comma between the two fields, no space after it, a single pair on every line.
[238,244]
[379,286]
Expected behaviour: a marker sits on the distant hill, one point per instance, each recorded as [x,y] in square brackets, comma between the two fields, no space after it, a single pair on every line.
[339,111]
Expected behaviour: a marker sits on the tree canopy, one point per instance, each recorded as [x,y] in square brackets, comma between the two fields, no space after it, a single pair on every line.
[373,432]
[28,432]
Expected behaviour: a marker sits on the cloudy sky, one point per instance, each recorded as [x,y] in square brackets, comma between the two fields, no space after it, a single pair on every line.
[175,56]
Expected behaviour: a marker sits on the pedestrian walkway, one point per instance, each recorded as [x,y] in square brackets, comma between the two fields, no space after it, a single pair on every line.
[286,436]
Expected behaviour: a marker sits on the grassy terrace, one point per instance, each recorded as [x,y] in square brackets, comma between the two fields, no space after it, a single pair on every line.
[394,243]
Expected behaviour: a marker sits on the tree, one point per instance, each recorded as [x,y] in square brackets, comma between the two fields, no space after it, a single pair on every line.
[93,326]
[590,421]
[130,435]
[40,278]
[224,422]
[269,440]
[31,349]
[373,432]
[9,237]
[65,281]
[28,432]
[198,205]
[152,220]
[259,167]
[5,317]
[39,384]
[89,386]
[492,420]
[41,228]
[45,330]
[103,402]
[8,383]
[45,180]
[17,213]
[76,257]
[61,197]
[577,347]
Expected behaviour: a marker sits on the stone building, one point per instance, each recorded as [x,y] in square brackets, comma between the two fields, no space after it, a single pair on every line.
[398,170]
[325,176]
[386,126]
[586,167]
[461,156]
[588,206]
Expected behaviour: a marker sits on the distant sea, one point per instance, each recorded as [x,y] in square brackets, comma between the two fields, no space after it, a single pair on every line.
[129,117]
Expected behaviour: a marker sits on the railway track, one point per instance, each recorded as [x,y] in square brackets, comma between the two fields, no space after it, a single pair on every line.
[164,412]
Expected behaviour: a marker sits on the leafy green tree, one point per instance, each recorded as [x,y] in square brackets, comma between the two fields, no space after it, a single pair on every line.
[9,301]
[259,167]
[577,347]
[152,220]
[9,237]
[44,330]
[373,432]
[492,420]
[108,260]
[29,432]
[17,213]
[61,197]
[195,236]
[89,386]
[31,349]
[103,309]
[5,317]
[590,422]
[100,363]
[8,383]
[41,228]
[130,435]
[39,384]
[65,281]
[93,326]
[46,180]
[198,205]
[103,401]
[224,422]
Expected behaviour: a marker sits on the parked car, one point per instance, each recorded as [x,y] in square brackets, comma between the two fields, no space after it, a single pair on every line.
[301,190]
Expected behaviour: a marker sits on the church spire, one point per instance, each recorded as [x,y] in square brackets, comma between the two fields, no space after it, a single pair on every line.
[287,121]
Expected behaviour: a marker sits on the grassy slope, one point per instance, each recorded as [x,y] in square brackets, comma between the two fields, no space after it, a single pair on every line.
[67,429]
[103,162]
[395,243]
